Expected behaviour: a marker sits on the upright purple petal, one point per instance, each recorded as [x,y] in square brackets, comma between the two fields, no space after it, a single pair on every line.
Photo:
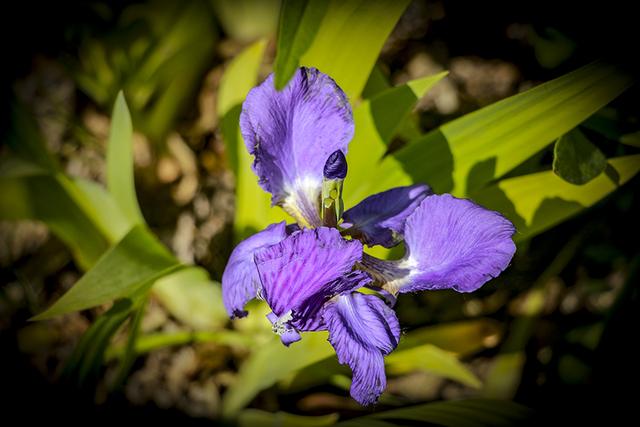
[451,243]
[292,133]
[362,329]
[240,281]
[303,271]
[379,219]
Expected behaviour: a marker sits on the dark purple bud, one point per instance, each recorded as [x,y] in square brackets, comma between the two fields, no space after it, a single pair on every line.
[336,166]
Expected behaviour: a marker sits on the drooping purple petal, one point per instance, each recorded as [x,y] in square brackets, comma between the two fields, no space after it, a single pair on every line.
[240,281]
[302,272]
[291,133]
[379,219]
[362,329]
[451,243]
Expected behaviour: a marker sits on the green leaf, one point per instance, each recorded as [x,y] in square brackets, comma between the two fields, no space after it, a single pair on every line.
[432,359]
[108,215]
[240,77]
[55,201]
[130,353]
[86,360]
[490,142]
[537,202]
[270,363]
[258,418]
[120,180]
[192,298]
[299,22]
[253,205]
[461,413]
[150,342]
[377,82]
[461,338]
[504,376]
[349,40]
[247,20]
[576,159]
[632,139]
[376,122]
[124,270]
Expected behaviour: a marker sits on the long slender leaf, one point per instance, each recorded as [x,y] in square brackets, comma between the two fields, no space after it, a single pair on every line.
[191,297]
[253,206]
[455,339]
[47,199]
[376,122]
[239,77]
[86,360]
[536,202]
[432,359]
[349,40]
[124,270]
[149,342]
[462,413]
[247,20]
[130,353]
[108,215]
[120,180]
[464,155]
[257,418]
[299,22]
[270,363]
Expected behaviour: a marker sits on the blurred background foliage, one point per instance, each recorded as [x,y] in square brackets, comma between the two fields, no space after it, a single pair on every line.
[124,184]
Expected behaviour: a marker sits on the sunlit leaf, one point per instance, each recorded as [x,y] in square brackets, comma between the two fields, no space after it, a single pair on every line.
[541,200]
[247,20]
[376,122]
[349,40]
[239,77]
[461,413]
[465,154]
[192,298]
[299,22]
[255,417]
[120,181]
[108,215]
[253,205]
[432,359]
[270,363]
[124,270]
[460,338]
[576,159]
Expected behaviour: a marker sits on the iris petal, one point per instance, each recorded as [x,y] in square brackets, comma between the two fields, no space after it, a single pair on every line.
[379,219]
[240,281]
[451,243]
[362,329]
[292,133]
[306,269]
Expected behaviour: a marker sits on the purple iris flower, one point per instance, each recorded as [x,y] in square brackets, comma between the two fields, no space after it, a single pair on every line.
[310,274]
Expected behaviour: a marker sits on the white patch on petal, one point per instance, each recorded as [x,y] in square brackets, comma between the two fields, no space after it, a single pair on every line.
[302,201]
